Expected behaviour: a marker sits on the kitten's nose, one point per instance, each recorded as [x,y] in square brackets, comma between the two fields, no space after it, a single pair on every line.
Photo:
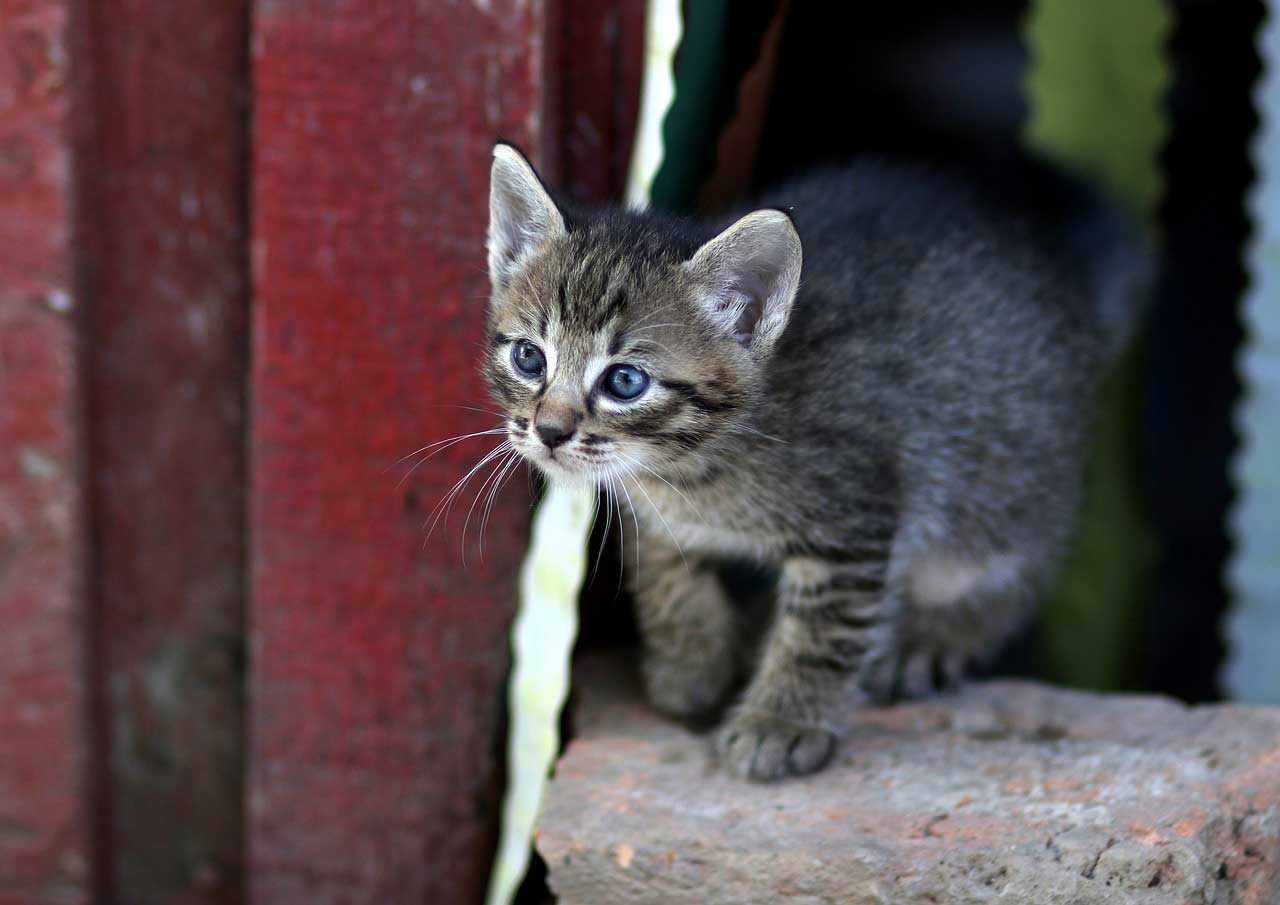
[554,434]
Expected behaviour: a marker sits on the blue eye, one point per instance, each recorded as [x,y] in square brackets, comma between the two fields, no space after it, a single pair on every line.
[625,382]
[528,358]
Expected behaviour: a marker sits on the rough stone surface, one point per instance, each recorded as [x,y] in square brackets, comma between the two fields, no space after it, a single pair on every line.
[1006,792]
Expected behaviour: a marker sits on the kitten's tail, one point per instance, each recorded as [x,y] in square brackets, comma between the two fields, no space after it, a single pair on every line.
[1095,240]
[1105,247]
[1120,270]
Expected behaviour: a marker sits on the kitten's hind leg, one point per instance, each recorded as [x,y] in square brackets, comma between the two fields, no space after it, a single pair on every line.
[959,609]
[688,630]
[834,618]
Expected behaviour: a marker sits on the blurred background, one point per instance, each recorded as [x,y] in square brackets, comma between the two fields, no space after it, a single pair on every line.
[242,275]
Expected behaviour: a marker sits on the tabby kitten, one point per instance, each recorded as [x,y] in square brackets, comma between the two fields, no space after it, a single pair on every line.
[883,393]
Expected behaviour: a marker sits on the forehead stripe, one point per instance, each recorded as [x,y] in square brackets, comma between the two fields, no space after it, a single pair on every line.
[611,309]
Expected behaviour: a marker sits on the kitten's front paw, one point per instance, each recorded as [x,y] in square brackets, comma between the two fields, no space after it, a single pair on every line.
[687,690]
[765,749]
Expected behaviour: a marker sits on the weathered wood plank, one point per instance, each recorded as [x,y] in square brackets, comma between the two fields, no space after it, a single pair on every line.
[600,55]
[376,662]
[163,223]
[44,856]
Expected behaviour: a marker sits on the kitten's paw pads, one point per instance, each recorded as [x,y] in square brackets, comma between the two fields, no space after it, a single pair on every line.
[687,690]
[765,749]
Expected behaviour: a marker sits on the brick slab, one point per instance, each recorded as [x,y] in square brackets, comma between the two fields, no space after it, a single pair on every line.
[1009,791]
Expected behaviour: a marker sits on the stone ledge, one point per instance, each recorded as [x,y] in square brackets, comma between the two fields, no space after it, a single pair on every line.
[1007,792]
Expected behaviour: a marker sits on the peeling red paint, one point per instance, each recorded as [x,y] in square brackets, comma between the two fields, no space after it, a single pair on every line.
[599,59]
[376,663]
[43,840]
[162,180]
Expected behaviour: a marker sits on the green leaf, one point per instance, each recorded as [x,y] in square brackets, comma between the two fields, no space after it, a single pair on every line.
[542,643]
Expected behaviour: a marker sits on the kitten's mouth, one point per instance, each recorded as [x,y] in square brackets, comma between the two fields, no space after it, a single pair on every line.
[559,461]
[591,459]
[561,468]
[561,464]
[546,459]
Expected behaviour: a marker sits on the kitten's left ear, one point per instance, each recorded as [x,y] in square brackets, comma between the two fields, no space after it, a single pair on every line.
[522,216]
[749,275]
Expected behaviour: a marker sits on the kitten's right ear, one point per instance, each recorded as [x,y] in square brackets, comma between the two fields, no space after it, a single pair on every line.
[748,278]
[522,216]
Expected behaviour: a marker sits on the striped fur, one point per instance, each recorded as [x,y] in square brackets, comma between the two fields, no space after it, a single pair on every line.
[900,438]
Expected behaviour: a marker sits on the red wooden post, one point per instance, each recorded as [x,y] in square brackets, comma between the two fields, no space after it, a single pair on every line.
[162,183]
[377,662]
[600,58]
[43,815]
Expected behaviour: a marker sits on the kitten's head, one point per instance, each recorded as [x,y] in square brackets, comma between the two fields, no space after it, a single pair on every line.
[621,343]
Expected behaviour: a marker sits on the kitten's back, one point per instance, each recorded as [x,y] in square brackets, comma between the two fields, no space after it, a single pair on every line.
[868,225]
[954,324]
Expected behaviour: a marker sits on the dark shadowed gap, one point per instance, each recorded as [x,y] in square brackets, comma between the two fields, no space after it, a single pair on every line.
[1195,335]
[927,80]
[96,773]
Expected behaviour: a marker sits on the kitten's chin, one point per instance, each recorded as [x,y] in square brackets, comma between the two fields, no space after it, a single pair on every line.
[560,472]
[568,478]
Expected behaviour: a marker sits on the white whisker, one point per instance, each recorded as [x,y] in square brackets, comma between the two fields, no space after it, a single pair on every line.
[656,326]
[493,430]
[512,462]
[443,444]
[681,494]
[636,522]
[655,343]
[442,508]
[663,519]
[604,535]
[454,405]
[492,476]
[752,430]
[622,539]
[654,313]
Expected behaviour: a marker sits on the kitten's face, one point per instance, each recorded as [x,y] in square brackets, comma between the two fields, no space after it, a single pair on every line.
[614,350]
[619,378]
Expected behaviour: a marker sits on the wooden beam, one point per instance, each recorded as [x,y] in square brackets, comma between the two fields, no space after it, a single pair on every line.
[44,834]
[377,661]
[599,59]
[163,223]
